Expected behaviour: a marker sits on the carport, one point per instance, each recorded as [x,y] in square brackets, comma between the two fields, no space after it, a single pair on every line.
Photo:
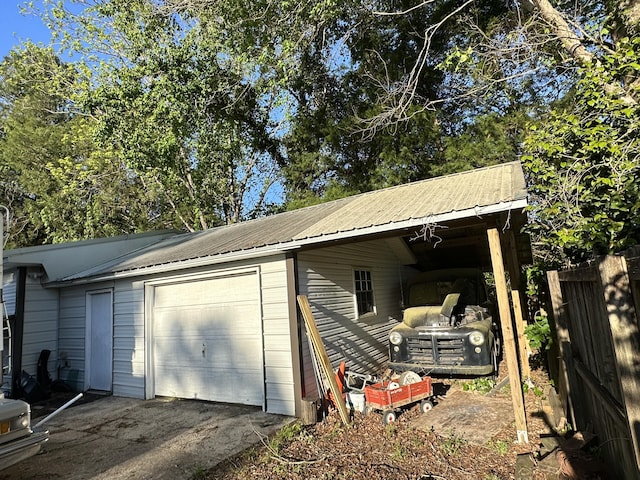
[470,219]
[493,243]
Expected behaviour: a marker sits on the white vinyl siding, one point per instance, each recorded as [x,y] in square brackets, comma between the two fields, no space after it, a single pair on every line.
[40,325]
[326,277]
[129,348]
[128,339]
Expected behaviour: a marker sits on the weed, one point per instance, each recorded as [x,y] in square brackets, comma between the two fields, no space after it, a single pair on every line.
[391,429]
[336,432]
[499,446]
[530,387]
[453,444]
[491,476]
[198,473]
[481,385]
[280,470]
[285,435]
[539,333]
[399,451]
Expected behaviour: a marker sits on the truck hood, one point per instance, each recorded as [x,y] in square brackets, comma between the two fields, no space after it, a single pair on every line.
[424,315]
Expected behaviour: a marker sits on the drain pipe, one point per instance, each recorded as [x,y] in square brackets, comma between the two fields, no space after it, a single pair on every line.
[53,414]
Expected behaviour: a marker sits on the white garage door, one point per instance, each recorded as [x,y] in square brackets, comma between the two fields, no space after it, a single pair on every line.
[207,340]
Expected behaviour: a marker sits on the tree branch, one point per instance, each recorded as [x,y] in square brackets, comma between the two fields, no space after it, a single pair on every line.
[570,41]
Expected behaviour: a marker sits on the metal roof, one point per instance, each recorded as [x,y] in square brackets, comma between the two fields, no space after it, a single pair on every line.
[494,189]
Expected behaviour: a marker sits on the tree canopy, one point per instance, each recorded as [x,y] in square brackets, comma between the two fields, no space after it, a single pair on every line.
[57,183]
[224,109]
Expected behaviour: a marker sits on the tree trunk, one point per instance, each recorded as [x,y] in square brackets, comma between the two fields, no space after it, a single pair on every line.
[570,41]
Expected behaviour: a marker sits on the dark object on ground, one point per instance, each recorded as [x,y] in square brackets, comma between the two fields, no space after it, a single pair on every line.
[42,373]
[30,389]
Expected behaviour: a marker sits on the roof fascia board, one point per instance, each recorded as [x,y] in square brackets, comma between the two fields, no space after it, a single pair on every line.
[174,266]
[412,223]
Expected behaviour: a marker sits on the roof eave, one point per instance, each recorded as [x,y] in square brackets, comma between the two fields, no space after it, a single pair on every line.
[292,245]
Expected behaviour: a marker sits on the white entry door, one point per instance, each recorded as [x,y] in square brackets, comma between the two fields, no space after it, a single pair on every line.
[99,341]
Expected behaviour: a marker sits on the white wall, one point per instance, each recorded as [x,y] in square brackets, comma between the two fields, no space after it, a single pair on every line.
[40,324]
[71,335]
[129,367]
[279,368]
[128,339]
[326,277]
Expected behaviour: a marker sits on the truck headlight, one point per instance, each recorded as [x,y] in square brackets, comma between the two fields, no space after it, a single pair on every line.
[476,338]
[395,338]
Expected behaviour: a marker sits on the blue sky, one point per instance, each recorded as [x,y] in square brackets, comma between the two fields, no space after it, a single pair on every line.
[15,27]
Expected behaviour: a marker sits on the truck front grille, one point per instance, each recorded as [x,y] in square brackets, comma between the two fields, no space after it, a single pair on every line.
[437,350]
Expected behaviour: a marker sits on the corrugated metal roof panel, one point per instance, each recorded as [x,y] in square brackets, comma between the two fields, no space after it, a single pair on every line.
[465,191]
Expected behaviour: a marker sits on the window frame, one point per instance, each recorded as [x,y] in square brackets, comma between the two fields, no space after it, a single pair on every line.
[359,291]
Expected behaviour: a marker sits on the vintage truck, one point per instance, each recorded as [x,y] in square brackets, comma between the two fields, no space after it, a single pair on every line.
[447,326]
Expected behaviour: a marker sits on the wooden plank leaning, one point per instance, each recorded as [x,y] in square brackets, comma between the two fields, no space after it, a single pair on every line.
[323,358]
[510,351]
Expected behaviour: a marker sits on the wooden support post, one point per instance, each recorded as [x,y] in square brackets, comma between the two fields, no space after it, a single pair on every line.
[523,353]
[511,354]
[566,369]
[625,334]
[518,299]
[309,415]
[323,358]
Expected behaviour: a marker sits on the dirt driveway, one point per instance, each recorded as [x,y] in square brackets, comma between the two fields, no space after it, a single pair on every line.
[124,438]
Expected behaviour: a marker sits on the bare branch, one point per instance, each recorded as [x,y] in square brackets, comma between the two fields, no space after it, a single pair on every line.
[404,12]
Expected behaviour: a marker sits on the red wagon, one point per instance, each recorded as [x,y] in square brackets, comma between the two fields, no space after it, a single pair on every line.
[390,396]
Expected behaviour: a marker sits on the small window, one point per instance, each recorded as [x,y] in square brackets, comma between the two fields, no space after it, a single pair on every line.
[364,292]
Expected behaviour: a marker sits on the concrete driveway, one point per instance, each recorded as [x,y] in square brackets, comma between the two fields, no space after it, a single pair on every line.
[118,438]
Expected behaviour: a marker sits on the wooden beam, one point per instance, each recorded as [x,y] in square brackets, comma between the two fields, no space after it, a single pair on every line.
[511,354]
[625,334]
[323,358]
[523,351]
[610,404]
[518,299]
[566,369]
[295,334]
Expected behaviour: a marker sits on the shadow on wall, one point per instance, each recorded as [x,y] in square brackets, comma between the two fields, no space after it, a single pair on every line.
[362,346]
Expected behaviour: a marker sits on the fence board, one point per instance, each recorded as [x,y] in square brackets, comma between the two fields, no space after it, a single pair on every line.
[599,343]
[566,369]
[625,334]
[581,274]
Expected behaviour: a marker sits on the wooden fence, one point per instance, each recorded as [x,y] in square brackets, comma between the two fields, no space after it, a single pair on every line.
[595,310]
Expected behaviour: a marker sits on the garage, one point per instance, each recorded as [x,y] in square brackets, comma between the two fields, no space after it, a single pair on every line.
[207,339]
